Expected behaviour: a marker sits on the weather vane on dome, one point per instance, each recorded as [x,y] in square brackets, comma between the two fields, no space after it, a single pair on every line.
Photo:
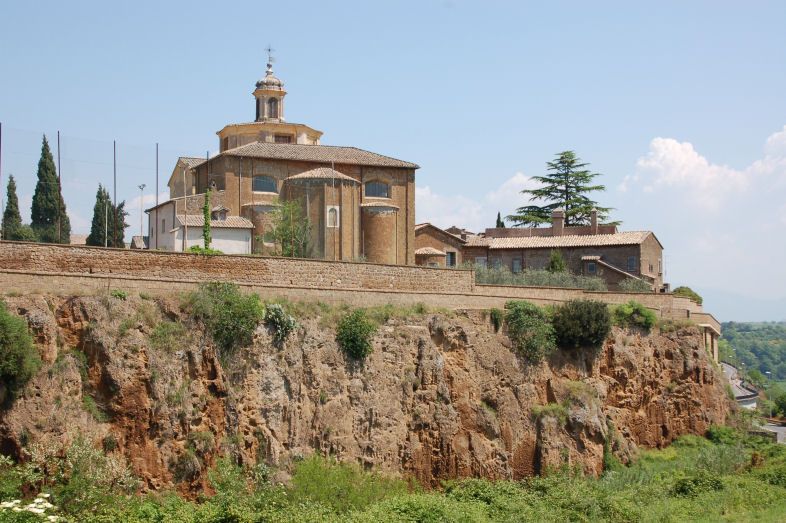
[270,50]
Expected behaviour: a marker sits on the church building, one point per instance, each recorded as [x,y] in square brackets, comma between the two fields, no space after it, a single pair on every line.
[359,205]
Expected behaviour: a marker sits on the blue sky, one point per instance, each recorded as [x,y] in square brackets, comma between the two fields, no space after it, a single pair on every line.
[680,105]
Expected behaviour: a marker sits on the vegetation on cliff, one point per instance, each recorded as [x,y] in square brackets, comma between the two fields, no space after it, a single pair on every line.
[19,360]
[727,476]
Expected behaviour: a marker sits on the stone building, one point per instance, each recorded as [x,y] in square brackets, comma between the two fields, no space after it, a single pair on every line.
[360,205]
[592,250]
[435,247]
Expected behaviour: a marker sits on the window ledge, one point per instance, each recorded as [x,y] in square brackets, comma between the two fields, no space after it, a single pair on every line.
[265,193]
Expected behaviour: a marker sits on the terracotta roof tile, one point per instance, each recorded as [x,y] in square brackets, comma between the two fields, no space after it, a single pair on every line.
[553,242]
[232,222]
[321,173]
[317,153]
[429,251]
[191,161]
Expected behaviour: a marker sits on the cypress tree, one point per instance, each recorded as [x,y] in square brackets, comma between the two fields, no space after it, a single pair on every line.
[101,216]
[118,215]
[12,220]
[500,223]
[206,235]
[48,217]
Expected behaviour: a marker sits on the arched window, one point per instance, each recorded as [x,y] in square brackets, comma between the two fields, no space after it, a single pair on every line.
[377,190]
[264,184]
[332,216]
[272,108]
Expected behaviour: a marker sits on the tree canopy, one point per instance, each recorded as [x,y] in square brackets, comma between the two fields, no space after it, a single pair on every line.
[105,215]
[48,214]
[12,220]
[566,185]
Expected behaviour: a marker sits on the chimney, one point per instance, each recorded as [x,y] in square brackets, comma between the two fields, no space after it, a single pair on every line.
[594,221]
[558,222]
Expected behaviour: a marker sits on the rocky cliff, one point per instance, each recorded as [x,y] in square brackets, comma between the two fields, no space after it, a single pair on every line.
[441,396]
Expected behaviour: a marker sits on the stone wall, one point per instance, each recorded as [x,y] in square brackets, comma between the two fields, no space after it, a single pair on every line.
[65,269]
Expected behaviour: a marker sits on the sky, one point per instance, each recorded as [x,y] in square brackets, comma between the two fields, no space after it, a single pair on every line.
[679,105]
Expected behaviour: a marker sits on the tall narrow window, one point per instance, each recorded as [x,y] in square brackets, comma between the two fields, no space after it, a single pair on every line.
[631,264]
[451,259]
[377,190]
[264,184]
[516,267]
[272,108]
[592,268]
[332,216]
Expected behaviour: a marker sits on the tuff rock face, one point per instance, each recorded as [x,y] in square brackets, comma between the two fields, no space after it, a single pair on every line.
[440,396]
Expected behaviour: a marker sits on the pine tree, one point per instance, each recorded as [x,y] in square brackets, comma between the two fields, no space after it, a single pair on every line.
[500,223]
[118,217]
[206,236]
[12,220]
[565,186]
[48,217]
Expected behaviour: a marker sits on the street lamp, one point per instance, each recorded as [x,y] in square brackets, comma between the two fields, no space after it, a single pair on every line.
[141,211]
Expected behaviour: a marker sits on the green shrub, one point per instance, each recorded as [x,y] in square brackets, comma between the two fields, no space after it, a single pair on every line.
[496,316]
[530,330]
[723,435]
[556,262]
[167,335]
[198,249]
[109,443]
[120,295]
[229,316]
[341,486]
[279,321]
[187,466]
[91,407]
[537,278]
[551,410]
[19,359]
[634,285]
[687,292]
[581,323]
[354,334]
[634,314]
[696,483]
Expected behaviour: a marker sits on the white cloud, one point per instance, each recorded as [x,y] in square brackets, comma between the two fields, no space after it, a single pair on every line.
[132,206]
[474,214]
[722,227]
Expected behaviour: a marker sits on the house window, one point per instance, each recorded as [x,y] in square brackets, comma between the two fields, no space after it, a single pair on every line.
[283,138]
[660,267]
[516,266]
[480,261]
[163,225]
[377,190]
[592,268]
[496,263]
[332,216]
[450,260]
[433,264]
[632,264]
[264,184]
[651,268]
[272,108]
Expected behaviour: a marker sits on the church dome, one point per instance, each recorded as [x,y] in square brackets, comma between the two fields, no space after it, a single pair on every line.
[270,81]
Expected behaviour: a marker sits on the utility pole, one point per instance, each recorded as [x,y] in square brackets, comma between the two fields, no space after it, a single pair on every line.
[2,208]
[114,191]
[155,228]
[141,207]
[106,220]
[60,191]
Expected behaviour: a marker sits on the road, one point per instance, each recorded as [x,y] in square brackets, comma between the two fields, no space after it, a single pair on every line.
[735,381]
[777,429]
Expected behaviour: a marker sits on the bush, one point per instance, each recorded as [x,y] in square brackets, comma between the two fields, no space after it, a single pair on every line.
[723,435]
[634,285]
[537,278]
[634,314]
[354,334]
[341,486]
[687,292]
[230,316]
[551,410]
[120,295]
[556,262]
[530,330]
[277,319]
[581,323]
[198,249]
[496,318]
[19,359]
[167,335]
[697,483]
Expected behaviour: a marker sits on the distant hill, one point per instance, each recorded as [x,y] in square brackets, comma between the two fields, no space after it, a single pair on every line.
[760,346]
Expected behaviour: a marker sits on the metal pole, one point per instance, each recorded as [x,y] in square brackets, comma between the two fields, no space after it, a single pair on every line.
[155,229]
[106,220]
[114,190]
[2,207]
[141,207]
[60,193]
[185,211]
